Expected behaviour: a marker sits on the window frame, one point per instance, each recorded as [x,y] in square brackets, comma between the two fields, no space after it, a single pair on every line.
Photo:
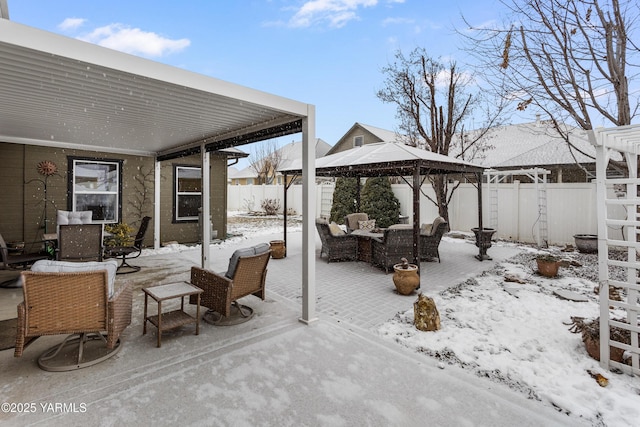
[177,195]
[72,192]
[356,139]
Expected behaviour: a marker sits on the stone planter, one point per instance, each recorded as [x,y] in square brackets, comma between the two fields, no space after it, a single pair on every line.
[586,243]
[278,249]
[483,241]
[406,279]
[548,266]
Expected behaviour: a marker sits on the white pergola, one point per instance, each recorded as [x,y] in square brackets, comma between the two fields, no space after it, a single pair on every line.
[62,92]
[626,141]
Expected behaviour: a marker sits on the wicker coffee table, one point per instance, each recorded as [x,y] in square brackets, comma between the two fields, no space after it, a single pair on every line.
[175,318]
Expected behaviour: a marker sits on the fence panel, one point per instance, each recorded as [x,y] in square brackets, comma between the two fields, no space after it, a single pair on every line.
[571,207]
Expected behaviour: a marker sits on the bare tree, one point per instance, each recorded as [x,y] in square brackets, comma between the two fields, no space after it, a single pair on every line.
[572,59]
[434,103]
[265,159]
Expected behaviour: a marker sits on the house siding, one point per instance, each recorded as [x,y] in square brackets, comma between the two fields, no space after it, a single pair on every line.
[346,142]
[23,208]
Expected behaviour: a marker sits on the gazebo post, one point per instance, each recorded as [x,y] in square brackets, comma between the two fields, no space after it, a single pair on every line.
[480,225]
[358,193]
[416,217]
[284,177]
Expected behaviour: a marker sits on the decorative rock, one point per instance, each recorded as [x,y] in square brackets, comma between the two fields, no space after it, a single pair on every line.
[425,314]
[571,296]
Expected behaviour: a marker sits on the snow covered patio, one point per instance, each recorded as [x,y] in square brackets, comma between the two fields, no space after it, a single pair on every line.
[348,368]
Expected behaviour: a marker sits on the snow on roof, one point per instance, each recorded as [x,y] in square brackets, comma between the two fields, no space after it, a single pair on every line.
[384,134]
[533,144]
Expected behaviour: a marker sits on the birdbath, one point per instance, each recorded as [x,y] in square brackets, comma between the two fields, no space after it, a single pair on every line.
[483,241]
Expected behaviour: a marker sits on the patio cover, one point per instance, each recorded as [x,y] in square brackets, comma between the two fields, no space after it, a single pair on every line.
[394,159]
[62,92]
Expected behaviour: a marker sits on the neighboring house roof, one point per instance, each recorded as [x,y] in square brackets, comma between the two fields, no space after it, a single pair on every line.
[290,154]
[376,134]
[516,146]
[384,134]
[533,144]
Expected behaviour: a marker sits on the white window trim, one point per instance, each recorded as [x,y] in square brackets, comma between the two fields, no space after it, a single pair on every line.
[185,193]
[75,193]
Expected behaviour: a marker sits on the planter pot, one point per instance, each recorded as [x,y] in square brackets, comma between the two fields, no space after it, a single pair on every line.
[548,268]
[586,243]
[483,241]
[406,280]
[278,249]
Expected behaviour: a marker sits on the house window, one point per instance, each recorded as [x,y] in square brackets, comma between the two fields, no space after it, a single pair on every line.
[249,181]
[358,141]
[188,193]
[96,187]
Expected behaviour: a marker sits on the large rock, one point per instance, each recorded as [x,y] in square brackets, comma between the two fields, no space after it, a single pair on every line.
[425,314]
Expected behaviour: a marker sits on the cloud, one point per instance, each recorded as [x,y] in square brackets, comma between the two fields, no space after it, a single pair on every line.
[397,21]
[337,13]
[71,23]
[135,41]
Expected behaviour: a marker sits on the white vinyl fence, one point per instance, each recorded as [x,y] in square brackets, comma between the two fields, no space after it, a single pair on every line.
[571,207]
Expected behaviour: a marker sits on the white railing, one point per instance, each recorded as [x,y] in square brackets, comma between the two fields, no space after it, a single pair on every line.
[571,207]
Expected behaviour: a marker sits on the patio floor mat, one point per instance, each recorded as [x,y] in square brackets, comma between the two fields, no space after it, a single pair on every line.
[7,334]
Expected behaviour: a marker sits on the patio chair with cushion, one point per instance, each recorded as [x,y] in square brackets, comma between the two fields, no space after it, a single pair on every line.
[246,275]
[73,298]
[430,237]
[396,243]
[22,260]
[336,244]
[351,220]
[129,252]
[80,242]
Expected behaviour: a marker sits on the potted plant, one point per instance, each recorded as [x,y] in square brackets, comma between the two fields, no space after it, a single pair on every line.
[119,234]
[405,277]
[548,265]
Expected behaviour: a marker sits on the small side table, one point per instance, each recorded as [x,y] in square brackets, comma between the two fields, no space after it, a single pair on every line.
[172,319]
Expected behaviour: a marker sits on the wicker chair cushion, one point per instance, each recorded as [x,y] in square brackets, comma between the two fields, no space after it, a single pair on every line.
[80,217]
[50,266]
[335,229]
[400,226]
[426,229]
[253,250]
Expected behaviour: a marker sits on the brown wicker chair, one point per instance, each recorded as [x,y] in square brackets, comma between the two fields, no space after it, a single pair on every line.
[430,241]
[351,220]
[396,243]
[343,247]
[72,303]
[246,275]
[80,242]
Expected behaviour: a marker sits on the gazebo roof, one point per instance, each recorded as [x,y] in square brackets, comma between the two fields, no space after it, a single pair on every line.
[386,158]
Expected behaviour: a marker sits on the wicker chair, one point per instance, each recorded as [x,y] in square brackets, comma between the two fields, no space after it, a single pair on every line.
[75,303]
[80,242]
[396,243]
[129,252]
[246,275]
[351,220]
[430,241]
[343,247]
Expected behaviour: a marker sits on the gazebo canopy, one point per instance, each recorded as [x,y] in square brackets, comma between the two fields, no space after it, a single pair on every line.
[386,159]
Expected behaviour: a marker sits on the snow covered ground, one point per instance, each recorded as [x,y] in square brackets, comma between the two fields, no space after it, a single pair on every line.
[518,334]
[508,332]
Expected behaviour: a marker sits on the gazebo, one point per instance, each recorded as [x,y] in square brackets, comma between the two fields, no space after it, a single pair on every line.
[394,159]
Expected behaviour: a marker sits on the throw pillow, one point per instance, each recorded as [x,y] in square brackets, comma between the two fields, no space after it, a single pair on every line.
[335,229]
[368,225]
